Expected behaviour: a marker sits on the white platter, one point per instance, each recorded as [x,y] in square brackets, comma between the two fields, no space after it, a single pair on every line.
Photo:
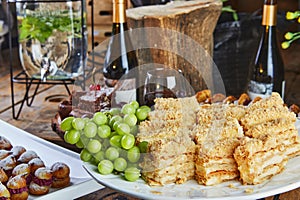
[288,180]
[81,182]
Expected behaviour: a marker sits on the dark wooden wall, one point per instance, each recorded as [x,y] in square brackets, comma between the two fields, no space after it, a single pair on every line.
[252,5]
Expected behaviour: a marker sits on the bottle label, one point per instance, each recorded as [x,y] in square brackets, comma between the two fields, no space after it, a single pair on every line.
[259,89]
[269,15]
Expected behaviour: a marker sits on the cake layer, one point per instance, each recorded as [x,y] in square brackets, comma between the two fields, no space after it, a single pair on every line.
[259,116]
[216,177]
[175,173]
[204,168]
[270,127]
[150,163]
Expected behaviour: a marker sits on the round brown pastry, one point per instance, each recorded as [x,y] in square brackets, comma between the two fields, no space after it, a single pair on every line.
[17,188]
[3,176]
[4,153]
[8,164]
[35,163]
[61,175]
[5,143]
[24,170]
[41,181]
[4,193]
[17,151]
[27,156]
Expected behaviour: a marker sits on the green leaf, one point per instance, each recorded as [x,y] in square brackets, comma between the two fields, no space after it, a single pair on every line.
[41,25]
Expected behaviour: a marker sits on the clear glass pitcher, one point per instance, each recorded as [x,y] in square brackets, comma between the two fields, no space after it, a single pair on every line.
[52,38]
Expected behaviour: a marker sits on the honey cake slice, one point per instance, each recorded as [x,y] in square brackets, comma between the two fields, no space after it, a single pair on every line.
[260,159]
[217,134]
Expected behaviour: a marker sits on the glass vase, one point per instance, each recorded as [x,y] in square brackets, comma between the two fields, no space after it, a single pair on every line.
[52,38]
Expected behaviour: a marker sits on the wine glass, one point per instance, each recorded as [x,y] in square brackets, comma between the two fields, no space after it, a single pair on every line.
[163,82]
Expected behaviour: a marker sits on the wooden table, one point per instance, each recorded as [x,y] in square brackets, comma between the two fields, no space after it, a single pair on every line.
[37,118]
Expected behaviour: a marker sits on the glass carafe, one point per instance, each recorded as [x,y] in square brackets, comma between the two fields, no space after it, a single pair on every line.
[52,38]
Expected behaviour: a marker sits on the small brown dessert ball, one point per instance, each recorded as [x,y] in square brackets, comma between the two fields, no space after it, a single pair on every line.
[17,188]
[27,156]
[4,193]
[61,175]
[5,143]
[41,181]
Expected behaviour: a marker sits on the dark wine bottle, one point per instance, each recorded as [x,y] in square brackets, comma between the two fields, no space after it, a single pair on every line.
[120,58]
[267,70]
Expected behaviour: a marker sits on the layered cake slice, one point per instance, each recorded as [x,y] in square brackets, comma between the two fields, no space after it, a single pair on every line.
[271,139]
[169,157]
[217,134]
[170,149]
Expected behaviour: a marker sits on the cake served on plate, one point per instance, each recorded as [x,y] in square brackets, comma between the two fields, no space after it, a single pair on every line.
[217,134]
[170,157]
[271,139]
[215,141]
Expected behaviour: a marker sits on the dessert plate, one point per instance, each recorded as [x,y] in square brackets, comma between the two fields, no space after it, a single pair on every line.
[81,182]
[288,180]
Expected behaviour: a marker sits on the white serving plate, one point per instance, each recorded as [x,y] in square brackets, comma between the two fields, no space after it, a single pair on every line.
[81,182]
[288,180]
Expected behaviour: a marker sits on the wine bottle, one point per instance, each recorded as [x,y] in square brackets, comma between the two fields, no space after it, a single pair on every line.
[120,58]
[267,70]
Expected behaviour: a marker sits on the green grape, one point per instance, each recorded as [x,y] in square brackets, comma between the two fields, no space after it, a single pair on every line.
[93,146]
[120,164]
[135,104]
[105,144]
[113,133]
[72,136]
[99,156]
[127,109]
[142,113]
[113,119]
[105,167]
[115,141]
[66,124]
[100,118]
[112,153]
[123,129]
[78,124]
[85,155]
[115,111]
[130,164]
[85,140]
[104,131]
[90,130]
[79,144]
[132,174]
[133,154]
[127,141]
[116,124]
[130,119]
[134,130]
[86,120]
[147,108]
[143,146]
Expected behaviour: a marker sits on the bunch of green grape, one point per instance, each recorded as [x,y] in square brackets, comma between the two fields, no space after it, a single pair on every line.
[108,139]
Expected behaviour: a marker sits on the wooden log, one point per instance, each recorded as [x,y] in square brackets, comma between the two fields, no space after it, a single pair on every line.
[181,28]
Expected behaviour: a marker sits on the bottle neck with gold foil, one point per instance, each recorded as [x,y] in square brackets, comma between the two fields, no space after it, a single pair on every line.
[119,11]
[269,17]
